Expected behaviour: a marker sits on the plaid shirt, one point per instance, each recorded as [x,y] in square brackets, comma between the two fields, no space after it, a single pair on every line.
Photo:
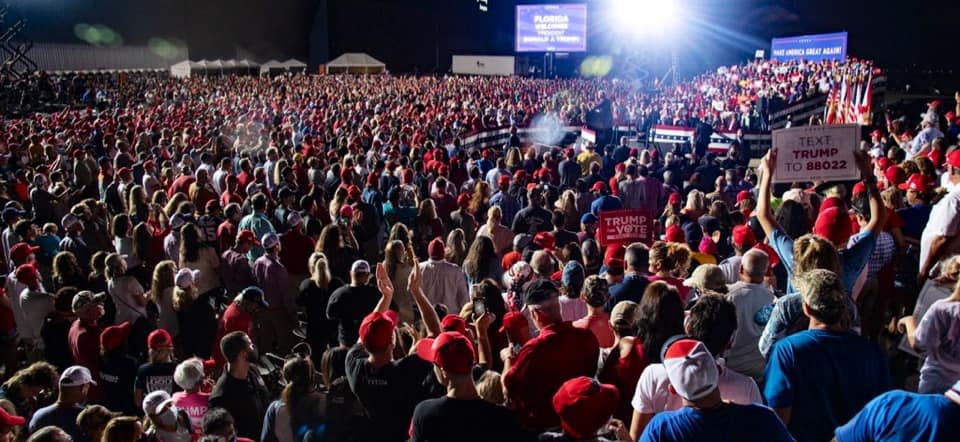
[882,253]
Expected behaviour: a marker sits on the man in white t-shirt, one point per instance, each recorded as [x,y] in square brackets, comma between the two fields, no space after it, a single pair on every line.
[712,321]
[940,237]
[749,295]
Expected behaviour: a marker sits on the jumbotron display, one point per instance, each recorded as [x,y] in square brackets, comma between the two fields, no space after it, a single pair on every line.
[552,28]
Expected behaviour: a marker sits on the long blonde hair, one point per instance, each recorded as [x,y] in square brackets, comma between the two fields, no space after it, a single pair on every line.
[163,275]
[319,270]
[456,249]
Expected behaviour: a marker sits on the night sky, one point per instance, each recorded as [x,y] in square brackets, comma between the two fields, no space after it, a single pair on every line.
[404,33]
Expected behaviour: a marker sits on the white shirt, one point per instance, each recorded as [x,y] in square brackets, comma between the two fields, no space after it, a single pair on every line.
[443,282]
[653,393]
[938,336]
[944,221]
[34,305]
[731,269]
[122,290]
[744,355]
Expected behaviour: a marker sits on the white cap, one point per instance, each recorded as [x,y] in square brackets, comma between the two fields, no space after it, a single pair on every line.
[294,219]
[153,401]
[177,221]
[68,221]
[186,277]
[360,266]
[691,369]
[270,240]
[76,376]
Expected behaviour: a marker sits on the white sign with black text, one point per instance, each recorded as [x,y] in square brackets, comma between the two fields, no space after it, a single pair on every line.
[816,153]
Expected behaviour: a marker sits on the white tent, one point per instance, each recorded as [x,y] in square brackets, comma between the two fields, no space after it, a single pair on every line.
[188,68]
[356,63]
[274,66]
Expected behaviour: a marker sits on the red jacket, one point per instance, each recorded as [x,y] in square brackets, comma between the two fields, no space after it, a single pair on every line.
[561,352]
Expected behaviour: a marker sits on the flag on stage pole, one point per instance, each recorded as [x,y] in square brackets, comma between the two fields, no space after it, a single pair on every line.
[866,105]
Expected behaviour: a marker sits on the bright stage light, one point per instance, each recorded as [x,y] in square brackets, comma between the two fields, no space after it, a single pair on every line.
[643,17]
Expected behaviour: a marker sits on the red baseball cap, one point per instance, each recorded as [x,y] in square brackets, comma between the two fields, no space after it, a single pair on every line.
[248,235]
[451,351]
[407,176]
[744,237]
[766,248]
[512,323]
[614,251]
[20,252]
[915,182]
[11,421]
[833,224]
[674,234]
[598,186]
[346,211]
[953,158]
[744,195]
[453,323]
[159,338]
[353,191]
[463,200]
[376,331]
[674,198]
[584,406]
[113,336]
[544,240]
[27,274]
[895,175]
[520,174]
[859,188]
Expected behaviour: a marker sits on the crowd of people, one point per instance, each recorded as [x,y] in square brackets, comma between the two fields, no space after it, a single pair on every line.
[320,258]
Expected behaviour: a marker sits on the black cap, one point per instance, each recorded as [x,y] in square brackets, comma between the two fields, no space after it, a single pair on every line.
[540,291]
[254,294]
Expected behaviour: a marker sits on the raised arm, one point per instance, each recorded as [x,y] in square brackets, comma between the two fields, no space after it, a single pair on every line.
[385,285]
[484,353]
[877,210]
[768,165]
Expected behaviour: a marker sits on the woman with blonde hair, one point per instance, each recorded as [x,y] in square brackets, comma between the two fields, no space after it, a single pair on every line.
[567,203]
[494,229]
[696,205]
[513,159]
[456,247]
[173,205]
[162,294]
[313,296]
[338,200]
[397,260]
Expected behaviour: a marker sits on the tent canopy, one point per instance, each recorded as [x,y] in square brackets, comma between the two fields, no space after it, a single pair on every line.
[356,63]
[187,68]
[277,66]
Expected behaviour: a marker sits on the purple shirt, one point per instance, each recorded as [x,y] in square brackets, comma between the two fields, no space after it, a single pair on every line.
[237,274]
[272,278]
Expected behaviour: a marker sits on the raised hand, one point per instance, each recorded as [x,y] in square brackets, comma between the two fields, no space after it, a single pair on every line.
[383,282]
[483,323]
[768,164]
[413,284]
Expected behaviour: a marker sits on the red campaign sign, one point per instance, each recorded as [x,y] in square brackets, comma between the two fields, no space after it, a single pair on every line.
[625,227]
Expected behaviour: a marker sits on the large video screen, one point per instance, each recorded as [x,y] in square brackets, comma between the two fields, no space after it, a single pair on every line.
[810,47]
[552,28]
